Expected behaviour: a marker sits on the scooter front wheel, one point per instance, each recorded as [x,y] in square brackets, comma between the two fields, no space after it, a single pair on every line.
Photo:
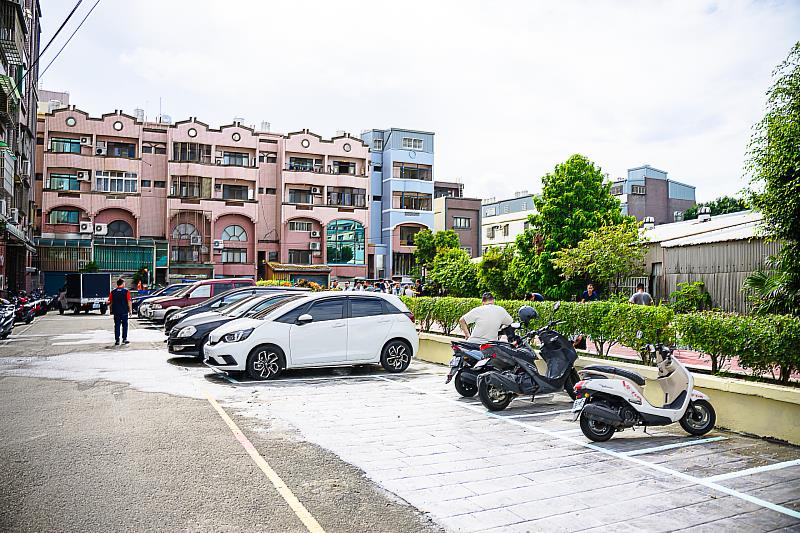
[699,418]
[493,398]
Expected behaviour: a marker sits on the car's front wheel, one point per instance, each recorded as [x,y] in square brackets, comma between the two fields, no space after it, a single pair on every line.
[265,362]
[396,356]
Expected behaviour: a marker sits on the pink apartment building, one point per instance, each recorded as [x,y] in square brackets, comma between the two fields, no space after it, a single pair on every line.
[195,201]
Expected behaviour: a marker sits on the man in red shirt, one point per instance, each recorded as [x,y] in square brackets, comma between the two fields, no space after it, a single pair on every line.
[120,303]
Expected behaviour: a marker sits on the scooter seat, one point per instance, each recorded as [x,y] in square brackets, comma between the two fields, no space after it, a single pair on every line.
[621,372]
[467,345]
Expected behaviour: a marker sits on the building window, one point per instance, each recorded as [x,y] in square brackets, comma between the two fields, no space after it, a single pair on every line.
[505,209]
[297,225]
[407,235]
[461,223]
[272,257]
[467,249]
[235,159]
[113,181]
[638,189]
[160,149]
[261,190]
[40,141]
[411,171]
[616,190]
[305,164]
[63,182]
[185,254]
[190,187]
[347,196]
[345,242]
[65,146]
[411,200]
[115,149]
[300,257]
[146,183]
[234,255]
[184,232]
[378,168]
[505,230]
[64,216]
[344,167]
[490,232]
[300,196]
[120,228]
[234,192]
[160,184]
[377,145]
[524,206]
[234,233]
[195,152]
[270,190]
[146,149]
[411,143]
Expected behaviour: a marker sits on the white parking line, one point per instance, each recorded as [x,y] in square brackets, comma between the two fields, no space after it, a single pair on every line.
[538,414]
[756,470]
[671,446]
[635,460]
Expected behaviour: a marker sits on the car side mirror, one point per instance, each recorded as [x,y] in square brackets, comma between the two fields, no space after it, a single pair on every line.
[304,319]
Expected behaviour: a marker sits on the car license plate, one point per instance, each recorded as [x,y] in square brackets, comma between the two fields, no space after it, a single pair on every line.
[482,363]
[95,306]
[578,405]
[455,361]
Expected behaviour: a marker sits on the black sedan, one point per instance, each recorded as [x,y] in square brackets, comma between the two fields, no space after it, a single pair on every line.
[217,303]
[189,336]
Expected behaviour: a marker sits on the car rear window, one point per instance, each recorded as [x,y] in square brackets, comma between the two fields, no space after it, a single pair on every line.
[219,288]
[390,308]
[360,307]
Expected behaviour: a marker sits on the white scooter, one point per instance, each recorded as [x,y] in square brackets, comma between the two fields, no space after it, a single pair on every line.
[610,399]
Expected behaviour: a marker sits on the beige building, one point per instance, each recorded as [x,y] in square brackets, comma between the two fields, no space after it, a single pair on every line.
[502,221]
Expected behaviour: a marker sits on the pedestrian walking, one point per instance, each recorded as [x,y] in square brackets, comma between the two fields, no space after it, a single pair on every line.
[641,296]
[120,303]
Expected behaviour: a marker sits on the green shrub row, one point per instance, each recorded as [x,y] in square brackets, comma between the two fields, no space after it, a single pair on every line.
[763,344]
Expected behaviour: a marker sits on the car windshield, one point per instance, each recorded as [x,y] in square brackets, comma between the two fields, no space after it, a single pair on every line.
[172,289]
[242,306]
[288,298]
[183,290]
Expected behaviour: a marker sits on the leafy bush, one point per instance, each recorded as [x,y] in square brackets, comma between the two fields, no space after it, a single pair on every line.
[771,344]
[718,335]
[690,297]
[273,283]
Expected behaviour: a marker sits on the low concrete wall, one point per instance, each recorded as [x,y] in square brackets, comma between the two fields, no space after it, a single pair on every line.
[759,409]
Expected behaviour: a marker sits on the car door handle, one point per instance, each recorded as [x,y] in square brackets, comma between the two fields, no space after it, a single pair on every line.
[340,325]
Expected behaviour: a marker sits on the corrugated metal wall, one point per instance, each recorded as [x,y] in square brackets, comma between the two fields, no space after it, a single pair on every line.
[123,259]
[723,266]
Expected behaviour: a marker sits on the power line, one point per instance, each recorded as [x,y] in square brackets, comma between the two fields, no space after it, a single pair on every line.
[68,40]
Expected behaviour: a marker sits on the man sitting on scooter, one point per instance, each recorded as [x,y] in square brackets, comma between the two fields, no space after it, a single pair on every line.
[488,319]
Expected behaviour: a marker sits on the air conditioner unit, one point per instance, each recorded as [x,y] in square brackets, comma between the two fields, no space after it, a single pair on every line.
[101,150]
[315,234]
[217,244]
[314,246]
[196,240]
[101,229]
[316,190]
[14,215]
[218,161]
[251,194]
[84,175]
[86,227]
[86,141]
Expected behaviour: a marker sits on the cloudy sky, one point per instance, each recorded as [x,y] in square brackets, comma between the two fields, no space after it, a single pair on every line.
[510,88]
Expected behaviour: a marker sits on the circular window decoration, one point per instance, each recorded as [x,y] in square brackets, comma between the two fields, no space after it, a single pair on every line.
[347,147]
[412,154]
[71,121]
[192,132]
[118,125]
[236,137]
[305,143]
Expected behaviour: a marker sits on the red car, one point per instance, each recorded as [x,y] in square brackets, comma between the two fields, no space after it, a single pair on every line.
[158,309]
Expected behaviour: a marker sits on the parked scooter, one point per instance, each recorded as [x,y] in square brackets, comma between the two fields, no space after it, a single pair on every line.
[516,372]
[7,316]
[466,356]
[24,310]
[611,399]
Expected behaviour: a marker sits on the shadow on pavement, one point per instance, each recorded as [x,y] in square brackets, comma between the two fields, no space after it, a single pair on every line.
[193,362]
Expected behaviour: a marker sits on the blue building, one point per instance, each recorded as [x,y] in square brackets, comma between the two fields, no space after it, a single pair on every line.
[402,197]
[648,192]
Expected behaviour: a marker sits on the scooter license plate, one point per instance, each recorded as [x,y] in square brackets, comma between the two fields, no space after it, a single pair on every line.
[578,405]
[455,361]
[482,363]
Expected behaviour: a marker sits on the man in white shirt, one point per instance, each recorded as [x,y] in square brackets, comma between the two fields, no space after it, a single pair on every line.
[488,319]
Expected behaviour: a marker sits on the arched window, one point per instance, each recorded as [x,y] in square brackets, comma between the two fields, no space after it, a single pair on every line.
[345,242]
[234,233]
[184,232]
[120,228]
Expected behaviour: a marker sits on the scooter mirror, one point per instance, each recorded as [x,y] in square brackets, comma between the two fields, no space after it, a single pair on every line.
[515,325]
[639,334]
[556,306]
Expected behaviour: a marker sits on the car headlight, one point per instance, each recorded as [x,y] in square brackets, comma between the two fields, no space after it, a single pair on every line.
[188,331]
[236,336]
[155,306]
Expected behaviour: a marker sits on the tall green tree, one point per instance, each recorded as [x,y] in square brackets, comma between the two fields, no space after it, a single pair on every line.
[452,273]
[575,201]
[429,244]
[721,206]
[495,272]
[607,255]
[774,166]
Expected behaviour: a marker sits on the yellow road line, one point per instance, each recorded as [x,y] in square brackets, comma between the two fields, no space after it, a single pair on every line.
[299,509]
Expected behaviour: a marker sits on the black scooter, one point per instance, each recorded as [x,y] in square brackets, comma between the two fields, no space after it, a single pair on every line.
[464,369]
[515,368]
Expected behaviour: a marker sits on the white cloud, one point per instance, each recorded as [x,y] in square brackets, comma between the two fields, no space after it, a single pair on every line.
[510,88]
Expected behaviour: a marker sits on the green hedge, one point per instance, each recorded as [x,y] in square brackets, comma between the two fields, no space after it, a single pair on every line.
[768,344]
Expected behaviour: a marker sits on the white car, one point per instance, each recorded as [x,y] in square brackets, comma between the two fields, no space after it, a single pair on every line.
[317,330]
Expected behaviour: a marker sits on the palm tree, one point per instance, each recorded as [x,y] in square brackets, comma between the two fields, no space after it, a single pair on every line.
[771,291]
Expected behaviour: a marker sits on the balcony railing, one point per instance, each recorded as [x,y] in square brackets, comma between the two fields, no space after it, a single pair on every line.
[319,169]
[12,32]
[9,101]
